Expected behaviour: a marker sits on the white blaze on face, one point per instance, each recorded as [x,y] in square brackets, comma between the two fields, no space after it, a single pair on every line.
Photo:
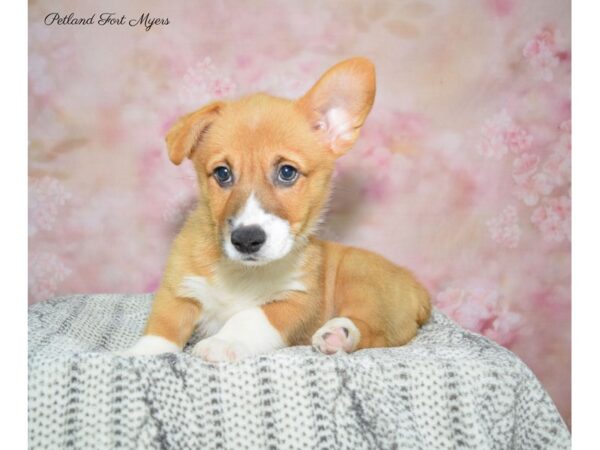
[279,235]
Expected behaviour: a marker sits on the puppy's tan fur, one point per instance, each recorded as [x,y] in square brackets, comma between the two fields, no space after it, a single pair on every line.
[253,136]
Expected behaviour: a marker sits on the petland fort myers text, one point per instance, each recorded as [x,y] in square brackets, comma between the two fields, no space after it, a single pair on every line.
[106,19]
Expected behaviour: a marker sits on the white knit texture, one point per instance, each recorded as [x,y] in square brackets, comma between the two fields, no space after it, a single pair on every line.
[448,388]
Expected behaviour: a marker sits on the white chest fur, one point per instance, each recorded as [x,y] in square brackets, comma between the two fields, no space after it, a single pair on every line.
[234,288]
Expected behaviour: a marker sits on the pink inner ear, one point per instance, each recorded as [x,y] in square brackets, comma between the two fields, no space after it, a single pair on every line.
[337,129]
[339,124]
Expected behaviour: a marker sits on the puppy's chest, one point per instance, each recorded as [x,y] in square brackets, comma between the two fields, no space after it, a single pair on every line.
[226,294]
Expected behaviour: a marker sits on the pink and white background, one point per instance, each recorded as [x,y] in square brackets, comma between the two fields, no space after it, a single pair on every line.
[462,172]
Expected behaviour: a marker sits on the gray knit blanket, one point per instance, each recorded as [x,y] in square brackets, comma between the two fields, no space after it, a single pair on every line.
[447,389]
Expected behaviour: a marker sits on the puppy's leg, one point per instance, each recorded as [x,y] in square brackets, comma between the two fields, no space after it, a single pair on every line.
[246,333]
[259,330]
[379,305]
[170,325]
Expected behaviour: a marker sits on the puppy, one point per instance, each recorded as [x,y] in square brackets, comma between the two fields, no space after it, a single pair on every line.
[246,267]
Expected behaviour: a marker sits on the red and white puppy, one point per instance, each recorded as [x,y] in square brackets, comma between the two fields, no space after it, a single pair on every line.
[246,267]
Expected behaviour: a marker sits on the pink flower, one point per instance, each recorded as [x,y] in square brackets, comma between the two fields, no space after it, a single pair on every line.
[504,229]
[556,170]
[504,328]
[47,196]
[558,167]
[565,126]
[499,134]
[553,219]
[542,53]
[558,164]
[532,189]
[46,274]
[517,139]
[527,192]
[524,166]
[493,145]
[561,206]
[472,308]
[478,309]
[473,315]
[543,183]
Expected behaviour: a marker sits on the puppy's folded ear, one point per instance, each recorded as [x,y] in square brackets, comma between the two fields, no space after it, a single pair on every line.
[185,136]
[338,104]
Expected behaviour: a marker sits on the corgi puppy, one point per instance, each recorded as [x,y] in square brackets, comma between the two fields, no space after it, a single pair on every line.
[247,268]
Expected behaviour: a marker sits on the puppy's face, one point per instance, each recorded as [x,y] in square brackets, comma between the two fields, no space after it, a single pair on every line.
[264,164]
[264,176]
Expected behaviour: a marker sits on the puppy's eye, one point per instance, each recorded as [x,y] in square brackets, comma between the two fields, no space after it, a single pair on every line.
[223,175]
[287,175]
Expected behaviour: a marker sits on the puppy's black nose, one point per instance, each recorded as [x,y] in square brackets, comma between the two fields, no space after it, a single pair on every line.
[248,239]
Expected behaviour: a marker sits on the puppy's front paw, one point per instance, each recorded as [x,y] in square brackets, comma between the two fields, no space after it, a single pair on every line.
[216,349]
[338,334]
[150,345]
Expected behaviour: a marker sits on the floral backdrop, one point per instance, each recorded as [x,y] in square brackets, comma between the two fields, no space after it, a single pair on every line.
[462,172]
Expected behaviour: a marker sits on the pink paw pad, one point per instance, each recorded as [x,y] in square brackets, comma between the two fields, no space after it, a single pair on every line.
[336,335]
[333,340]
[336,338]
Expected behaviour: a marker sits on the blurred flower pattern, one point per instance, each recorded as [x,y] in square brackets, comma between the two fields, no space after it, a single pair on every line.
[462,172]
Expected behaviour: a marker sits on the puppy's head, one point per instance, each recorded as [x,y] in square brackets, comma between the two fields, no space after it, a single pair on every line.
[264,164]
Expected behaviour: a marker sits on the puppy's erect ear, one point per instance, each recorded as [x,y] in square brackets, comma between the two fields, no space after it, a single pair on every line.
[186,134]
[338,104]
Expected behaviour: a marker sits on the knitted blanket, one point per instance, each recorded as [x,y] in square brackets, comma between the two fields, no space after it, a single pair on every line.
[448,388]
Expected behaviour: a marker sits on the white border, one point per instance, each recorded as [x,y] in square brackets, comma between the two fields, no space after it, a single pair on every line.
[13,268]
[586,224]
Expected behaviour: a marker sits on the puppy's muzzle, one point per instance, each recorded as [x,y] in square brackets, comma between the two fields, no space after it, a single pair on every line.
[248,239]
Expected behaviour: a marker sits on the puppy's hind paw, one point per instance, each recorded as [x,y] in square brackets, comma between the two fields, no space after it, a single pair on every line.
[338,334]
